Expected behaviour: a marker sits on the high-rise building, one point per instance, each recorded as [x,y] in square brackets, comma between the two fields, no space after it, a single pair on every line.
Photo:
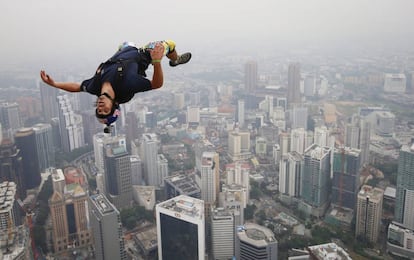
[400,241]
[69,214]
[316,168]
[70,125]
[222,234]
[118,185]
[194,98]
[290,173]
[238,173]
[358,135]
[369,212]
[10,117]
[321,136]
[149,151]
[162,169]
[136,170]
[181,228]
[253,242]
[261,146]
[179,100]
[297,140]
[48,97]
[404,210]
[9,212]
[25,139]
[309,86]
[250,76]
[293,90]
[395,83]
[45,148]
[100,141]
[239,145]
[208,178]
[240,115]
[181,184]
[234,198]
[193,115]
[11,166]
[345,182]
[107,229]
[299,117]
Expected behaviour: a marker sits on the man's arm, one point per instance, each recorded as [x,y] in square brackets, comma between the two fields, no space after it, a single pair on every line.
[67,86]
[156,55]
[158,76]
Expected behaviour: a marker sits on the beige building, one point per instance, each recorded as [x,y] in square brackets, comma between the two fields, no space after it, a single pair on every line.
[369,211]
[69,213]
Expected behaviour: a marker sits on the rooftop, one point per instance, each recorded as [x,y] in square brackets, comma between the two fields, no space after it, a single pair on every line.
[184,205]
[329,251]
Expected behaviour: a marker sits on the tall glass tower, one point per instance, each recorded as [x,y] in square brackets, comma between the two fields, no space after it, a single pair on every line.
[181,228]
[404,210]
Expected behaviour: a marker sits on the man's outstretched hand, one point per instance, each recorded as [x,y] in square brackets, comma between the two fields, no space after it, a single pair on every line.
[46,78]
[158,52]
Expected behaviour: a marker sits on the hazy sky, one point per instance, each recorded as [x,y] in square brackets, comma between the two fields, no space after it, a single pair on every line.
[56,29]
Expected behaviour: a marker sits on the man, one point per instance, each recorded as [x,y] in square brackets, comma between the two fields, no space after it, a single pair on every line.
[119,78]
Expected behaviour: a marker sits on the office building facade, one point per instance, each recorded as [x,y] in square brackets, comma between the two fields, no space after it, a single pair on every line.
[255,242]
[346,172]
[404,210]
[369,212]
[107,229]
[181,228]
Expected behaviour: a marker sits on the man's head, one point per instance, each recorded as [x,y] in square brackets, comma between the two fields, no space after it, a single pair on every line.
[107,110]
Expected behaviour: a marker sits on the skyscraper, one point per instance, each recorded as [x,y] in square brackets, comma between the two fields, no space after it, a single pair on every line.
[69,214]
[162,169]
[239,145]
[48,97]
[250,76]
[26,142]
[240,117]
[222,234]
[208,178]
[9,212]
[10,118]
[293,90]
[136,170]
[299,117]
[358,134]
[290,173]
[70,125]
[255,242]
[118,176]
[45,148]
[404,210]
[345,182]
[11,166]
[315,176]
[369,212]
[181,228]
[107,229]
[149,150]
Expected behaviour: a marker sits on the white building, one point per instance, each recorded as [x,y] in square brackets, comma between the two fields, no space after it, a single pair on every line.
[255,242]
[395,83]
[181,225]
[222,234]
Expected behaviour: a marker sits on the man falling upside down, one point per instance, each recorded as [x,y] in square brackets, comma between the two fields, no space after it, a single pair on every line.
[120,77]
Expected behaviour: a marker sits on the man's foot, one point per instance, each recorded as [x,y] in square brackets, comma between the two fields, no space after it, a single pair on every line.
[182,59]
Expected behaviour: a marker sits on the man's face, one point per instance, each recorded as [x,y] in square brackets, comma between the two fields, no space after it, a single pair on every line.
[103,105]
